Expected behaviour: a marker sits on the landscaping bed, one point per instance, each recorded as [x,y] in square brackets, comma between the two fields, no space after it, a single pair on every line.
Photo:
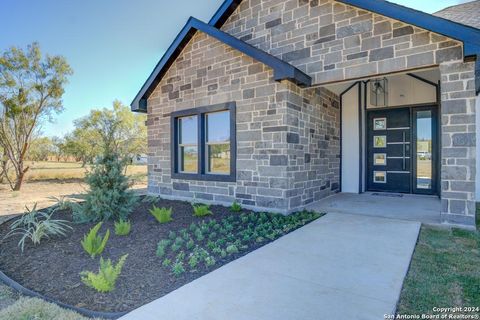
[190,247]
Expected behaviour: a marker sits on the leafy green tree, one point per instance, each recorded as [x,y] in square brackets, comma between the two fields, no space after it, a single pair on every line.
[58,148]
[41,148]
[31,90]
[118,129]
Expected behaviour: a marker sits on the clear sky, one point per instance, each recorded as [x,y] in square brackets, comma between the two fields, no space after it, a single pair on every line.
[112,45]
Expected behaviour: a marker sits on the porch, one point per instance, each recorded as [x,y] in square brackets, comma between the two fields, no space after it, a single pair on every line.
[421,208]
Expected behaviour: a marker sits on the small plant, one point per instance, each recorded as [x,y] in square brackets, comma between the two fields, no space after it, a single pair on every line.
[62,203]
[178,268]
[201,210]
[172,235]
[36,225]
[193,261]
[163,215]
[150,199]
[236,207]
[105,279]
[180,256]
[162,247]
[190,244]
[175,247]
[209,261]
[94,244]
[231,249]
[122,228]
[166,262]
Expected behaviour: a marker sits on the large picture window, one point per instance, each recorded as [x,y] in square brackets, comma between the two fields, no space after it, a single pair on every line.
[203,143]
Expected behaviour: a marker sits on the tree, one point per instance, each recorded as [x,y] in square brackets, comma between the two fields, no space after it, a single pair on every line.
[108,196]
[58,148]
[117,129]
[40,149]
[31,90]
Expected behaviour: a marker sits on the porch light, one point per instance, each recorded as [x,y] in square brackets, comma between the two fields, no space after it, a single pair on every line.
[379,92]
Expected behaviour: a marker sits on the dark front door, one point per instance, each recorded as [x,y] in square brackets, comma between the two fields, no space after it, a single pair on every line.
[401,150]
[389,139]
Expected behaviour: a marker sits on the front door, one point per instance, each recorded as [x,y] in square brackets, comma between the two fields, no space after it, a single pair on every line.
[401,150]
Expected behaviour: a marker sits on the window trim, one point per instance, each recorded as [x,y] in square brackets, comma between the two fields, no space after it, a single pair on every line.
[202,174]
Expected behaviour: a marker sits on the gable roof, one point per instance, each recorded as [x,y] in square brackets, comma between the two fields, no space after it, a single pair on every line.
[469,35]
[466,13]
[282,70]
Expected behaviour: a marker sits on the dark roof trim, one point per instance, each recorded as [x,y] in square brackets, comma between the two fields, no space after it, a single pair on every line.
[282,70]
[468,35]
[222,14]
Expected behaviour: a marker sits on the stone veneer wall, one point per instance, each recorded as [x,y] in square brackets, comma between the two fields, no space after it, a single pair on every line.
[331,41]
[314,162]
[279,142]
[458,142]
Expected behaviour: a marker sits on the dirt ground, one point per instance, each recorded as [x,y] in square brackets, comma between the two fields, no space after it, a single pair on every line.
[43,193]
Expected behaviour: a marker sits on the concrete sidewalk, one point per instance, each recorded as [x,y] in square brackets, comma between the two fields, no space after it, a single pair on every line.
[338,267]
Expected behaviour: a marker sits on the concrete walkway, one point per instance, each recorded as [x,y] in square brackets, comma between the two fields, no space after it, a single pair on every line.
[338,267]
[425,209]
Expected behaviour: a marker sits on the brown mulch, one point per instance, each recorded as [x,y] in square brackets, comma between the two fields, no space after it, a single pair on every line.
[52,268]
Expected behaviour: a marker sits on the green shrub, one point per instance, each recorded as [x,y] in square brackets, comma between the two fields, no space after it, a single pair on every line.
[105,279]
[209,261]
[178,268]
[172,235]
[162,247]
[108,196]
[231,249]
[163,215]
[236,207]
[94,244]
[180,256]
[175,247]
[190,244]
[193,261]
[201,210]
[35,225]
[122,228]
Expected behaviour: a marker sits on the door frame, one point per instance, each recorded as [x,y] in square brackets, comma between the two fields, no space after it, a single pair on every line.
[434,107]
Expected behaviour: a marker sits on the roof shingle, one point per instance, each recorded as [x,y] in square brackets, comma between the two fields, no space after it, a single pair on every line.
[465,13]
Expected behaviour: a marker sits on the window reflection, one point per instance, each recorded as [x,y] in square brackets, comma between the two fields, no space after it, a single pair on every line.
[218,142]
[424,149]
[188,144]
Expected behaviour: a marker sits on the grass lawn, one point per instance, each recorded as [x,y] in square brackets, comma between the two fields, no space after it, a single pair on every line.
[445,272]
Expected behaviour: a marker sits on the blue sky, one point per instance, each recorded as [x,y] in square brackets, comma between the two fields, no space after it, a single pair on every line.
[112,45]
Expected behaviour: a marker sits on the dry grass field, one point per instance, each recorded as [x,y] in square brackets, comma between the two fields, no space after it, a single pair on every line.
[47,181]
[47,171]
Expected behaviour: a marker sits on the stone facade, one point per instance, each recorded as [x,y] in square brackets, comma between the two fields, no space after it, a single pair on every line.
[458,142]
[331,41]
[287,138]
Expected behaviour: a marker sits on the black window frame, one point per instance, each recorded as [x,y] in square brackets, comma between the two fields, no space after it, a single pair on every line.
[201,112]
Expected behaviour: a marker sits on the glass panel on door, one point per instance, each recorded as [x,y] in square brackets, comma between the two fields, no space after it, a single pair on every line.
[424,149]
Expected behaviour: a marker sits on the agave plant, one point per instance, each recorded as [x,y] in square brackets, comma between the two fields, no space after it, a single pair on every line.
[36,225]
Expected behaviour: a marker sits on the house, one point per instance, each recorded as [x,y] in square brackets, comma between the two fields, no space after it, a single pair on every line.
[279,103]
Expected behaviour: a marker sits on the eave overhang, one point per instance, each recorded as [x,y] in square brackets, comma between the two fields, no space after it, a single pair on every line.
[282,70]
